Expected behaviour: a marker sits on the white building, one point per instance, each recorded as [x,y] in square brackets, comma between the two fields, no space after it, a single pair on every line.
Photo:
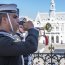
[57,21]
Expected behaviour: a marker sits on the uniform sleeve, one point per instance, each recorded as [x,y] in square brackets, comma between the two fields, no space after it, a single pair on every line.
[10,48]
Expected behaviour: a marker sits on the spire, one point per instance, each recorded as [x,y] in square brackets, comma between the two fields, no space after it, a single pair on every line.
[52,5]
[52,9]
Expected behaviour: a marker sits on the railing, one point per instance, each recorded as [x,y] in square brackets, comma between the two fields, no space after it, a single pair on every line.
[47,58]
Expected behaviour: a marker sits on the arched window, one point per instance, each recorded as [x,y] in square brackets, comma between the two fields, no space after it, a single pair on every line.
[48,38]
[52,39]
[57,39]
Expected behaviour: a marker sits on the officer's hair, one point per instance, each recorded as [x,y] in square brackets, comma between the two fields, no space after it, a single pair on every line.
[1,15]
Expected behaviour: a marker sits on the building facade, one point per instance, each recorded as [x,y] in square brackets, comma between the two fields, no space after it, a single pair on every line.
[57,21]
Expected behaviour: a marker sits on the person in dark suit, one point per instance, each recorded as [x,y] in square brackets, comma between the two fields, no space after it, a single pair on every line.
[11,47]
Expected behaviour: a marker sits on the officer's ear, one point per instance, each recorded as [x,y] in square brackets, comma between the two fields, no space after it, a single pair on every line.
[4,19]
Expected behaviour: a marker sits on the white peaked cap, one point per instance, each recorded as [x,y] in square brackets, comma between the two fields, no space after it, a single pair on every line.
[23,19]
[8,7]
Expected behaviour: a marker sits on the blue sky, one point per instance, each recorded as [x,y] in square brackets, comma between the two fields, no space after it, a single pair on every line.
[30,8]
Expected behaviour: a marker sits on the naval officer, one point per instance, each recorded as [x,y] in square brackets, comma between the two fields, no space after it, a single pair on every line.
[12,48]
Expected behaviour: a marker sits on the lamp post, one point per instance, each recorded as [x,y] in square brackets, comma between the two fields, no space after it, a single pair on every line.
[51,48]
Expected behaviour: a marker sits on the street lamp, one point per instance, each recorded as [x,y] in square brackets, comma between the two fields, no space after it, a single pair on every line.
[51,48]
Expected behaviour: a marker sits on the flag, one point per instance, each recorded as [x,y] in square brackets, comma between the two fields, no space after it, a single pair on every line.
[46,40]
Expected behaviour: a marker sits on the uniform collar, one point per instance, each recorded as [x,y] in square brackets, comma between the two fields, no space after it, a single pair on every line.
[3,31]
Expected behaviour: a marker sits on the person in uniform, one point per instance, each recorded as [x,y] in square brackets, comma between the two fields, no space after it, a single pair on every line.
[24,34]
[11,47]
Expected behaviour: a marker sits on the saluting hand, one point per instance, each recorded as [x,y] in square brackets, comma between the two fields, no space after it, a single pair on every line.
[28,25]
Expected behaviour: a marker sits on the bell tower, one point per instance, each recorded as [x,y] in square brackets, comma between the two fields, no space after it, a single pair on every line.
[52,9]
